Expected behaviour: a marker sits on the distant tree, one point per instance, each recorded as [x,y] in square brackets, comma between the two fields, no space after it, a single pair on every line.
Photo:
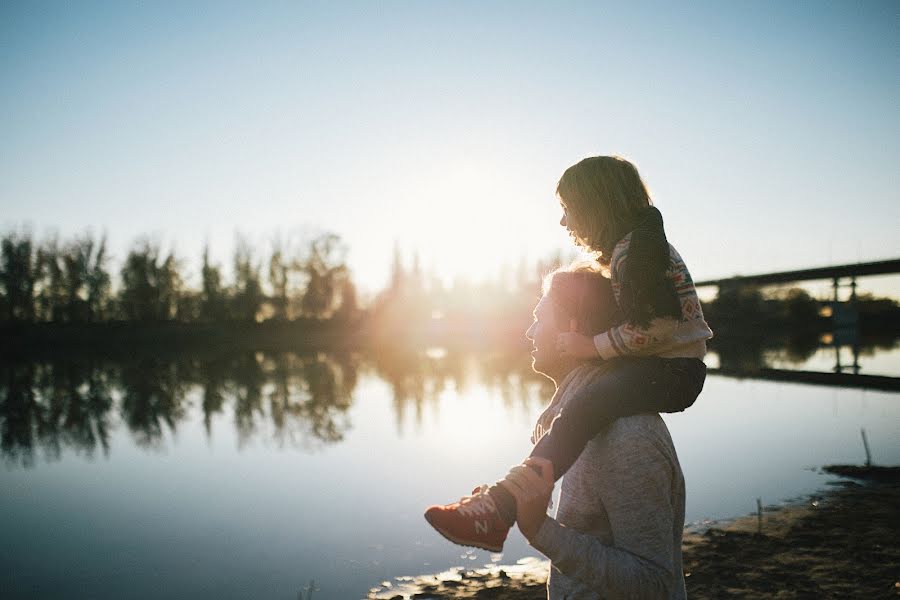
[878,307]
[737,302]
[76,260]
[398,274]
[280,268]
[50,290]
[188,306]
[170,286]
[403,312]
[18,275]
[213,299]
[87,284]
[800,307]
[348,309]
[99,284]
[248,295]
[326,270]
[151,285]
[879,314]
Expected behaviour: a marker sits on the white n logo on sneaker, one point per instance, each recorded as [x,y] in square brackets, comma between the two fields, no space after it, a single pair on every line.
[481,527]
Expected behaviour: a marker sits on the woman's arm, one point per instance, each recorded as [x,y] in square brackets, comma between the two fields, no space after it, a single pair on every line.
[635,480]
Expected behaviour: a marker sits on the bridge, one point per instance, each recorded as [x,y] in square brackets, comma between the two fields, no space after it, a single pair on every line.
[835,273]
[881,383]
[844,316]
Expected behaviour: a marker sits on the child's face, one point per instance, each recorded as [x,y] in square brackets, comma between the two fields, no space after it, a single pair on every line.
[565,216]
[566,222]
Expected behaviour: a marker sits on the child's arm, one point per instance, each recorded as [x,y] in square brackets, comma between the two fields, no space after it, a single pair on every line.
[576,345]
[623,340]
[629,339]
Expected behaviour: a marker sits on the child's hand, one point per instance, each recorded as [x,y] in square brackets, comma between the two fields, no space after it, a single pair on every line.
[576,345]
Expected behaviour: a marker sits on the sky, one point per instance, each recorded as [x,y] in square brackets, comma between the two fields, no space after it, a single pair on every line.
[767,132]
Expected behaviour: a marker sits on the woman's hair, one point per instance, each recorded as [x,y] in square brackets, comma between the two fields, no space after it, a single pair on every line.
[604,198]
[580,291]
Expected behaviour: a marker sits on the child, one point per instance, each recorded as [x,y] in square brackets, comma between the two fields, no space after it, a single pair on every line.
[655,355]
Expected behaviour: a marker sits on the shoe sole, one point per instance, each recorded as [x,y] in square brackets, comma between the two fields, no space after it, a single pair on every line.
[460,542]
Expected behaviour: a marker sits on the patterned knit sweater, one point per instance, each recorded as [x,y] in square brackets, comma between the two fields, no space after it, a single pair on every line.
[666,337]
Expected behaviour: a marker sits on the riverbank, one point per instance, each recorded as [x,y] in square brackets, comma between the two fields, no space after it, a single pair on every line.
[842,543]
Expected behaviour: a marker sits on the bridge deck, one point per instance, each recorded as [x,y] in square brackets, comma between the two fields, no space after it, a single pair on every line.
[881,267]
[842,380]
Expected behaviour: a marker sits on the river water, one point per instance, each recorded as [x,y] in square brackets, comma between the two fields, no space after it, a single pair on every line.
[260,475]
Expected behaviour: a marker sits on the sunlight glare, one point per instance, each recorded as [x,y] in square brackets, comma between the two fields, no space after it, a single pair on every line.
[478,220]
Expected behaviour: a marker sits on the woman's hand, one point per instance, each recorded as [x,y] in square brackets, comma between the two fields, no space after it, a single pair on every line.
[576,345]
[532,493]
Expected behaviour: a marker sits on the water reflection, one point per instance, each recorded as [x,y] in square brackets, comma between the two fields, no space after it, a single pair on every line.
[48,407]
[153,398]
[70,403]
[419,377]
[296,400]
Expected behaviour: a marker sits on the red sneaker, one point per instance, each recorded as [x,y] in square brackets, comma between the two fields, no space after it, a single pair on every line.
[473,521]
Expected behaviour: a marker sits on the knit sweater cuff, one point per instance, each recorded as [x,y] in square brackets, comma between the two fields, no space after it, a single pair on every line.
[548,538]
[604,346]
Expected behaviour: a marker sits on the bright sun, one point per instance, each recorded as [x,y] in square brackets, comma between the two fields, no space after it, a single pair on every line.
[474,222]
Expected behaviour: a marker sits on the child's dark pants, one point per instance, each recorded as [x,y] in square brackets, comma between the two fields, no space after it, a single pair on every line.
[635,385]
[638,385]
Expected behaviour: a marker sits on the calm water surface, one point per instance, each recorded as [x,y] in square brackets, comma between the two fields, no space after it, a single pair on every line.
[249,476]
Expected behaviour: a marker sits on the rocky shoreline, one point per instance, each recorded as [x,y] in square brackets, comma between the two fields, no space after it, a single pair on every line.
[841,543]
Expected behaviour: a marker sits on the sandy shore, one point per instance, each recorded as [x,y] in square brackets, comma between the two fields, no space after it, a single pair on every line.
[843,543]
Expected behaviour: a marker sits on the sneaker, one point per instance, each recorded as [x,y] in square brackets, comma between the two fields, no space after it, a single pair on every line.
[473,521]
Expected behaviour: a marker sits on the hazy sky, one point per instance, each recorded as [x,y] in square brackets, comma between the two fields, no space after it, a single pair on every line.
[769,133]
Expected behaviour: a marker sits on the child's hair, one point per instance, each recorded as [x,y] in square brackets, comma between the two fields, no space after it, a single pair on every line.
[581,292]
[605,198]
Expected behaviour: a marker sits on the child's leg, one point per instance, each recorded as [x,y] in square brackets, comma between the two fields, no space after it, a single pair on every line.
[637,385]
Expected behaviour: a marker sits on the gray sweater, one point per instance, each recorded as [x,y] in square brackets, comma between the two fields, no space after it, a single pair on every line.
[620,518]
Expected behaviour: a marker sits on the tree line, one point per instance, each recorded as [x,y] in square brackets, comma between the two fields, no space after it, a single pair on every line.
[70,281]
[54,281]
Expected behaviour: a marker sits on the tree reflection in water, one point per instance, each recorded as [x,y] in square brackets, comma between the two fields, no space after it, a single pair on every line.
[309,397]
[152,398]
[418,378]
[300,400]
[69,403]
[50,406]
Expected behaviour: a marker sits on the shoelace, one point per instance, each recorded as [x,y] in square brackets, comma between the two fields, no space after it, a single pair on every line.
[479,503]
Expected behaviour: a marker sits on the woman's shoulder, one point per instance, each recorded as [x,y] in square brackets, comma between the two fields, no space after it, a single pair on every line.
[644,425]
[645,432]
